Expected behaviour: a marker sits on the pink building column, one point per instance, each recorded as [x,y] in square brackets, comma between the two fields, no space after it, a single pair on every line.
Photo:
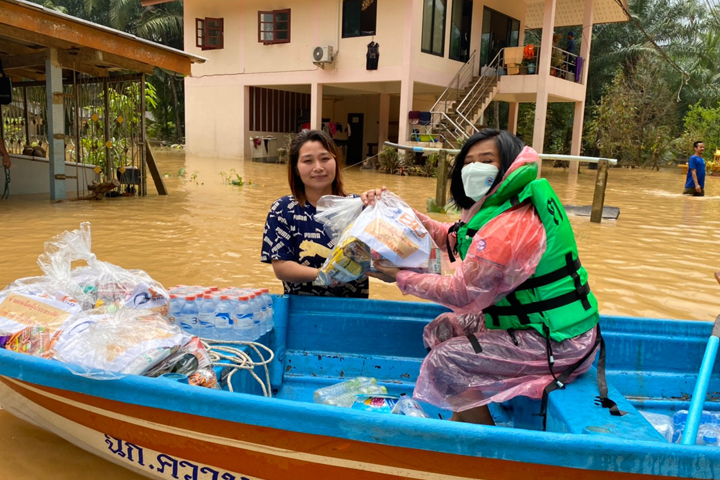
[543,77]
[245,123]
[513,117]
[384,121]
[316,100]
[578,118]
[406,102]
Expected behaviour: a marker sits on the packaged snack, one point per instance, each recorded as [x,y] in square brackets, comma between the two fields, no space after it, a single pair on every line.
[375,403]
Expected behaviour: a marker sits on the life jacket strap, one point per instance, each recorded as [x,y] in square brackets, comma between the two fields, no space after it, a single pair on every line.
[560,380]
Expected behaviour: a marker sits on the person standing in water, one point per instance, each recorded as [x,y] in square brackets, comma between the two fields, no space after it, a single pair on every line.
[695,180]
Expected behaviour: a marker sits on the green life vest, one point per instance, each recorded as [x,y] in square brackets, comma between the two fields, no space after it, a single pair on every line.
[556,300]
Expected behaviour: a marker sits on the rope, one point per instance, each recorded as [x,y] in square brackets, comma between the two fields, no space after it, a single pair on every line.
[360,164]
[6,192]
[239,360]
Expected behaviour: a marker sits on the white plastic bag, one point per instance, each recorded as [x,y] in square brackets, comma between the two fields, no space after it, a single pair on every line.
[106,344]
[388,232]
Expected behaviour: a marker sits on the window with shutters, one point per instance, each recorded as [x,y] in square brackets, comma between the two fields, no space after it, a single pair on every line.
[274,27]
[209,33]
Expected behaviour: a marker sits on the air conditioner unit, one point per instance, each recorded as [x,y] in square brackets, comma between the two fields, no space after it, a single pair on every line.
[322,55]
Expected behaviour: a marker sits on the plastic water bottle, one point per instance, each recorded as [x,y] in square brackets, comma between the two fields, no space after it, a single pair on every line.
[206,316]
[176,304]
[410,408]
[270,318]
[224,321]
[263,309]
[244,322]
[257,316]
[189,315]
[351,386]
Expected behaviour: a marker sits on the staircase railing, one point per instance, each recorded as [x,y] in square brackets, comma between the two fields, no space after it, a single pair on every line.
[465,111]
[461,80]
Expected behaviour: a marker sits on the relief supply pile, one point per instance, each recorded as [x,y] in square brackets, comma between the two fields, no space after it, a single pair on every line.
[387,233]
[364,394]
[102,320]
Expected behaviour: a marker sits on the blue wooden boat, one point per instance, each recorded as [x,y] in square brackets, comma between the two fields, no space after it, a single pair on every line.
[165,429]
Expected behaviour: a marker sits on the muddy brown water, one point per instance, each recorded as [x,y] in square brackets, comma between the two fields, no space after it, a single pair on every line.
[655,261]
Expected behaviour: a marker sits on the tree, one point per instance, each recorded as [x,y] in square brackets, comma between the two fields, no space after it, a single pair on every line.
[634,120]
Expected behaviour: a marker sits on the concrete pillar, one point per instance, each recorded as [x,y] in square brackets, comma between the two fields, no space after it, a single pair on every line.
[578,118]
[411,30]
[245,123]
[406,103]
[316,102]
[384,125]
[544,76]
[55,126]
[513,117]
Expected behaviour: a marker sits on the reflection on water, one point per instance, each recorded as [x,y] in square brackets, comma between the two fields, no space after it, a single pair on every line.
[656,260]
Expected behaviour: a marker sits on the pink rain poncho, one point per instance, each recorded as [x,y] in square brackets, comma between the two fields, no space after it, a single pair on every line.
[504,253]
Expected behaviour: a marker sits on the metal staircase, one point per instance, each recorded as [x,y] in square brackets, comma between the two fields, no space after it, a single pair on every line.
[459,109]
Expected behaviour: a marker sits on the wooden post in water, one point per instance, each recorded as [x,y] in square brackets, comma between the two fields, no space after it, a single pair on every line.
[442,177]
[599,196]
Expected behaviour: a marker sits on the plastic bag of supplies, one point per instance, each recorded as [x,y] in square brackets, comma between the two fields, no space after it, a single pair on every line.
[387,232]
[96,284]
[108,343]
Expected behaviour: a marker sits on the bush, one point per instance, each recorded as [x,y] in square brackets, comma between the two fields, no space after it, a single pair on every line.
[390,161]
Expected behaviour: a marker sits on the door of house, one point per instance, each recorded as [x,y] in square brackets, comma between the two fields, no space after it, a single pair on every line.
[499,31]
[355,151]
[460,30]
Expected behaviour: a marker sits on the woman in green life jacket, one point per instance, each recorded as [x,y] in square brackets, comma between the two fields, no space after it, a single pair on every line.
[522,310]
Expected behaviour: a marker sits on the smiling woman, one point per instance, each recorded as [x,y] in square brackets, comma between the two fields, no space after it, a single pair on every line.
[293,241]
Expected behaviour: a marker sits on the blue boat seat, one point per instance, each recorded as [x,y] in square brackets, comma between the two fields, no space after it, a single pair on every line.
[573,410]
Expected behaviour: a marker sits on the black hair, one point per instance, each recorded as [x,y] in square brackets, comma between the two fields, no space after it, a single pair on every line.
[697,143]
[509,146]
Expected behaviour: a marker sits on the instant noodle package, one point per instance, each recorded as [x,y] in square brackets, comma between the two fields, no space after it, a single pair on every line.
[387,232]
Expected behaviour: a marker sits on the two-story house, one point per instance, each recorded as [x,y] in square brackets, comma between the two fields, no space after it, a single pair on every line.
[375,70]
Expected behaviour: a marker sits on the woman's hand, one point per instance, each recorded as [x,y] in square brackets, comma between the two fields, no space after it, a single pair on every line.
[386,274]
[369,197]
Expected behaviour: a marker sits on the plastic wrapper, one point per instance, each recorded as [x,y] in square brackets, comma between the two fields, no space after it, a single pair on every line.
[503,254]
[106,344]
[388,232]
[662,423]
[193,360]
[22,307]
[96,284]
[454,377]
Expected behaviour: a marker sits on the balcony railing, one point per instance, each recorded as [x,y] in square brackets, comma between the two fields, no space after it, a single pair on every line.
[563,64]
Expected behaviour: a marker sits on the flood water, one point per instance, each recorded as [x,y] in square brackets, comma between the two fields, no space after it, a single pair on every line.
[657,260]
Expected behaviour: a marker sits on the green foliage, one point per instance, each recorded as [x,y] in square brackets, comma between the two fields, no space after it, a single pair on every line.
[701,124]
[390,161]
[634,122]
[233,178]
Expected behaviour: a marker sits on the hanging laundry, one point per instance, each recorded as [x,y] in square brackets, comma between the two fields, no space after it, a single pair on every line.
[333,128]
[425,118]
[266,140]
[256,142]
[305,126]
[414,117]
[373,56]
[349,131]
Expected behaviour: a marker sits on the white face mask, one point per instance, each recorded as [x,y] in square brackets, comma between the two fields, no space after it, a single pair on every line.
[477,179]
